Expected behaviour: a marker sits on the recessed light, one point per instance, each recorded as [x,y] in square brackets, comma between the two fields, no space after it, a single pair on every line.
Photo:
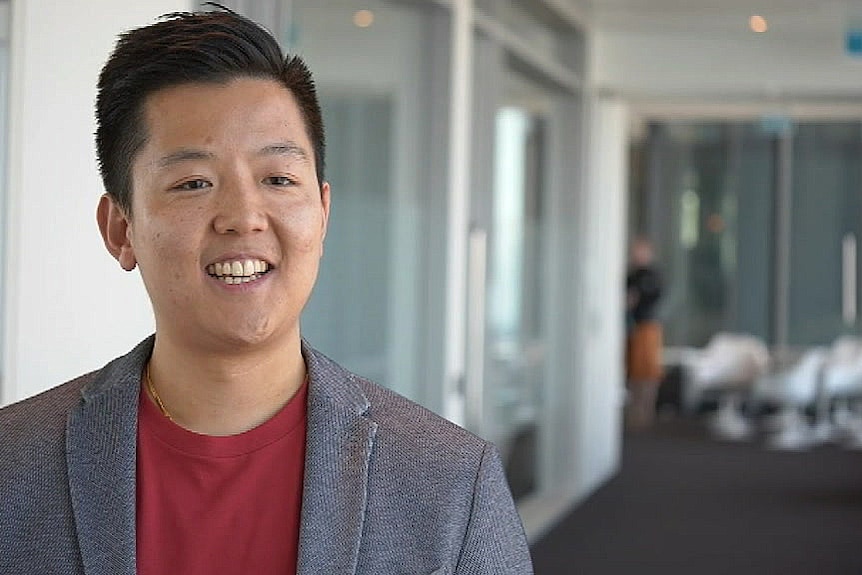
[363,18]
[758,24]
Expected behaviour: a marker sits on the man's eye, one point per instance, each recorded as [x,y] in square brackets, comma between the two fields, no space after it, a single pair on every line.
[279,181]
[192,185]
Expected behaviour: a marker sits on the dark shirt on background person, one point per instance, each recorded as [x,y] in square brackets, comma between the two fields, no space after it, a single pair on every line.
[643,285]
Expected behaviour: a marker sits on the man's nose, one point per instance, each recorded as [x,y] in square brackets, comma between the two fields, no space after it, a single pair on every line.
[240,208]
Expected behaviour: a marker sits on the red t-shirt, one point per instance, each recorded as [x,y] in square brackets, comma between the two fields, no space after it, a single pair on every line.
[226,505]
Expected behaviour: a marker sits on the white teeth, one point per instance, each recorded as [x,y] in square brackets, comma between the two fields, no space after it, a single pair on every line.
[239,271]
[235,280]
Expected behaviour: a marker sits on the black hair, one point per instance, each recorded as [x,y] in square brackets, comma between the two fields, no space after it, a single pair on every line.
[183,48]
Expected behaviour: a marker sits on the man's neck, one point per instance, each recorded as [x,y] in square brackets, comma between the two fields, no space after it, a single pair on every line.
[216,394]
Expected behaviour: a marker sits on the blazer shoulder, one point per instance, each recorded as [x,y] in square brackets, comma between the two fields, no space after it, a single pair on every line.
[393,404]
[409,423]
[43,407]
[50,408]
[33,438]
[397,418]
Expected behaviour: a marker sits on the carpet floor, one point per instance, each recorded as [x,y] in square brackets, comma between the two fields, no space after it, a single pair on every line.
[684,502]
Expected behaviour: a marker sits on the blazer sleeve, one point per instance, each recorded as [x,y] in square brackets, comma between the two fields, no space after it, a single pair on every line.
[494,543]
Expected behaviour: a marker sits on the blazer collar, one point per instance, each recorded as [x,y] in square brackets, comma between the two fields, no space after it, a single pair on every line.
[101,440]
[338,449]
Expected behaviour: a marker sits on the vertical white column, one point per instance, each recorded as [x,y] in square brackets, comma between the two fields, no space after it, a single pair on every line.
[458,207]
[599,330]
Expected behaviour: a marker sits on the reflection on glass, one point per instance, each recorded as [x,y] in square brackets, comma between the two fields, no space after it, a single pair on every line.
[505,288]
[689,222]
[515,338]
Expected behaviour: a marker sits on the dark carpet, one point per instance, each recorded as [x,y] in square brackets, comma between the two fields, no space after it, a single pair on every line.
[686,503]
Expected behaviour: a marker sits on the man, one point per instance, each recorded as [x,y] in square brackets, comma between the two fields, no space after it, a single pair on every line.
[224,443]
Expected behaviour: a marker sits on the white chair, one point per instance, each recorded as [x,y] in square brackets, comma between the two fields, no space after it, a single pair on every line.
[728,360]
[838,411]
[792,391]
[727,367]
[843,374]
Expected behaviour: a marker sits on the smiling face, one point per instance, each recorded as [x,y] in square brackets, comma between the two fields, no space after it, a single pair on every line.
[229,217]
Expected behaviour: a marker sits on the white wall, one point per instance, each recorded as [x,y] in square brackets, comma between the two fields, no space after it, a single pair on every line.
[68,307]
[599,333]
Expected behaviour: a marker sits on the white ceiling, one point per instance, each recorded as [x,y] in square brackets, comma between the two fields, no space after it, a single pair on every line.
[809,17]
[702,51]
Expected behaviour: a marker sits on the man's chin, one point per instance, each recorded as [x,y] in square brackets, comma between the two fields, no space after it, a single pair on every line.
[251,337]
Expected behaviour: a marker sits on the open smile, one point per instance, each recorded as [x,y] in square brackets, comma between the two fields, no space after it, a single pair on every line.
[238,271]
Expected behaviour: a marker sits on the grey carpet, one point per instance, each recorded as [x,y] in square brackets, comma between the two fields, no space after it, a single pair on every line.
[685,503]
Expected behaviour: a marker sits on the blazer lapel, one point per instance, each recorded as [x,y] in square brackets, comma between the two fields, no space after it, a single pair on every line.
[100,444]
[338,449]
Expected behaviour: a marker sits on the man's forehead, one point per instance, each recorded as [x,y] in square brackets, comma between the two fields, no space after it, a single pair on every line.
[188,98]
[262,110]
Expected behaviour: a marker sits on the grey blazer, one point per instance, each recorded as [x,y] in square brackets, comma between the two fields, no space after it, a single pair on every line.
[390,488]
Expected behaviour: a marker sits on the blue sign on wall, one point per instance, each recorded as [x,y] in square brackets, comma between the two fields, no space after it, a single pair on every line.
[853,41]
[776,124]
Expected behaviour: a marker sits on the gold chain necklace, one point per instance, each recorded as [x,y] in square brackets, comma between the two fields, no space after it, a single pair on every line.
[155,394]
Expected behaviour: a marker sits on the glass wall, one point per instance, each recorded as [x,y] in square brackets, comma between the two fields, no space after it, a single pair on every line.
[757,223]
[826,208]
[383,304]
[383,83]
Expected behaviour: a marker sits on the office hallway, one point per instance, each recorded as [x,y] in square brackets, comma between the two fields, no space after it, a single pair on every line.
[685,503]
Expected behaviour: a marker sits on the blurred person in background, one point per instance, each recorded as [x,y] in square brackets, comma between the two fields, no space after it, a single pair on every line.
[225,443]
[643,334]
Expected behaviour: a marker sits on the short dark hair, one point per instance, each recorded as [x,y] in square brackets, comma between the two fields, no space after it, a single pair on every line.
[182,48]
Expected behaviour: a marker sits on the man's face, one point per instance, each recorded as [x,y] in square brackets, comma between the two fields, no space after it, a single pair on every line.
[229,217]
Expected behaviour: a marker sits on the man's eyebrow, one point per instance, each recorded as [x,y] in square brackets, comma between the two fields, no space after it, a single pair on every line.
[184,155]
[279,149]
[286,149]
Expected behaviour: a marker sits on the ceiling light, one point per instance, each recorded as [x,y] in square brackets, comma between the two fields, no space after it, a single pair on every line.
[363,18]
[758,24]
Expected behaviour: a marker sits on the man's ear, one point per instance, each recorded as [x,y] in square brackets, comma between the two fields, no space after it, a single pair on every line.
[114,225]
[324,199]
